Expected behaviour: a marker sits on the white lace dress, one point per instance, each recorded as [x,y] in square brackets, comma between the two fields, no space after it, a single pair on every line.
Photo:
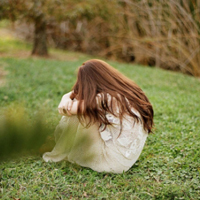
[102,151]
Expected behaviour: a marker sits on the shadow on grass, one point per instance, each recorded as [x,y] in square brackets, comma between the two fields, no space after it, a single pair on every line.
[21,136]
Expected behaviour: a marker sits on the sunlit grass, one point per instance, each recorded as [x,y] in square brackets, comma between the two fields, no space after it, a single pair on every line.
[9,44]
[168,167]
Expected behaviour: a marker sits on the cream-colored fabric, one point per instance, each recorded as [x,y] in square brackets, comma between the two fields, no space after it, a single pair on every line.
[99,150]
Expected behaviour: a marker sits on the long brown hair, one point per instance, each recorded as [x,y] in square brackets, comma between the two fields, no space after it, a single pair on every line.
[98,77]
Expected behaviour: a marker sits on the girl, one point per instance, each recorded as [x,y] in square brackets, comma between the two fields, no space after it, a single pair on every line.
[106,120]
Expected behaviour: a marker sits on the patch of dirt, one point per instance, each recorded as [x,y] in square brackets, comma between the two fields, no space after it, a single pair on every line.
[19,54]
[4,32]
[62,56]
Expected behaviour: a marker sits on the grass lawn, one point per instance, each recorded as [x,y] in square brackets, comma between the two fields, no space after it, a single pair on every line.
[169,165]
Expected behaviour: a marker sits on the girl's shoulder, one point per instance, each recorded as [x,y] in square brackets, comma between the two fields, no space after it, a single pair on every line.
[102,97]
[106,97]
[114,103]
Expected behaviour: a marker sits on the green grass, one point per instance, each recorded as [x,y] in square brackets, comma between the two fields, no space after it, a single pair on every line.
[168,167]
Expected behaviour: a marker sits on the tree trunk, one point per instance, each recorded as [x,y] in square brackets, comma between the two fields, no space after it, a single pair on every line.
[40,37]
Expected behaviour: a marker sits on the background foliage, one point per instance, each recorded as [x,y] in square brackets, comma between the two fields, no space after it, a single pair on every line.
[156,33]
